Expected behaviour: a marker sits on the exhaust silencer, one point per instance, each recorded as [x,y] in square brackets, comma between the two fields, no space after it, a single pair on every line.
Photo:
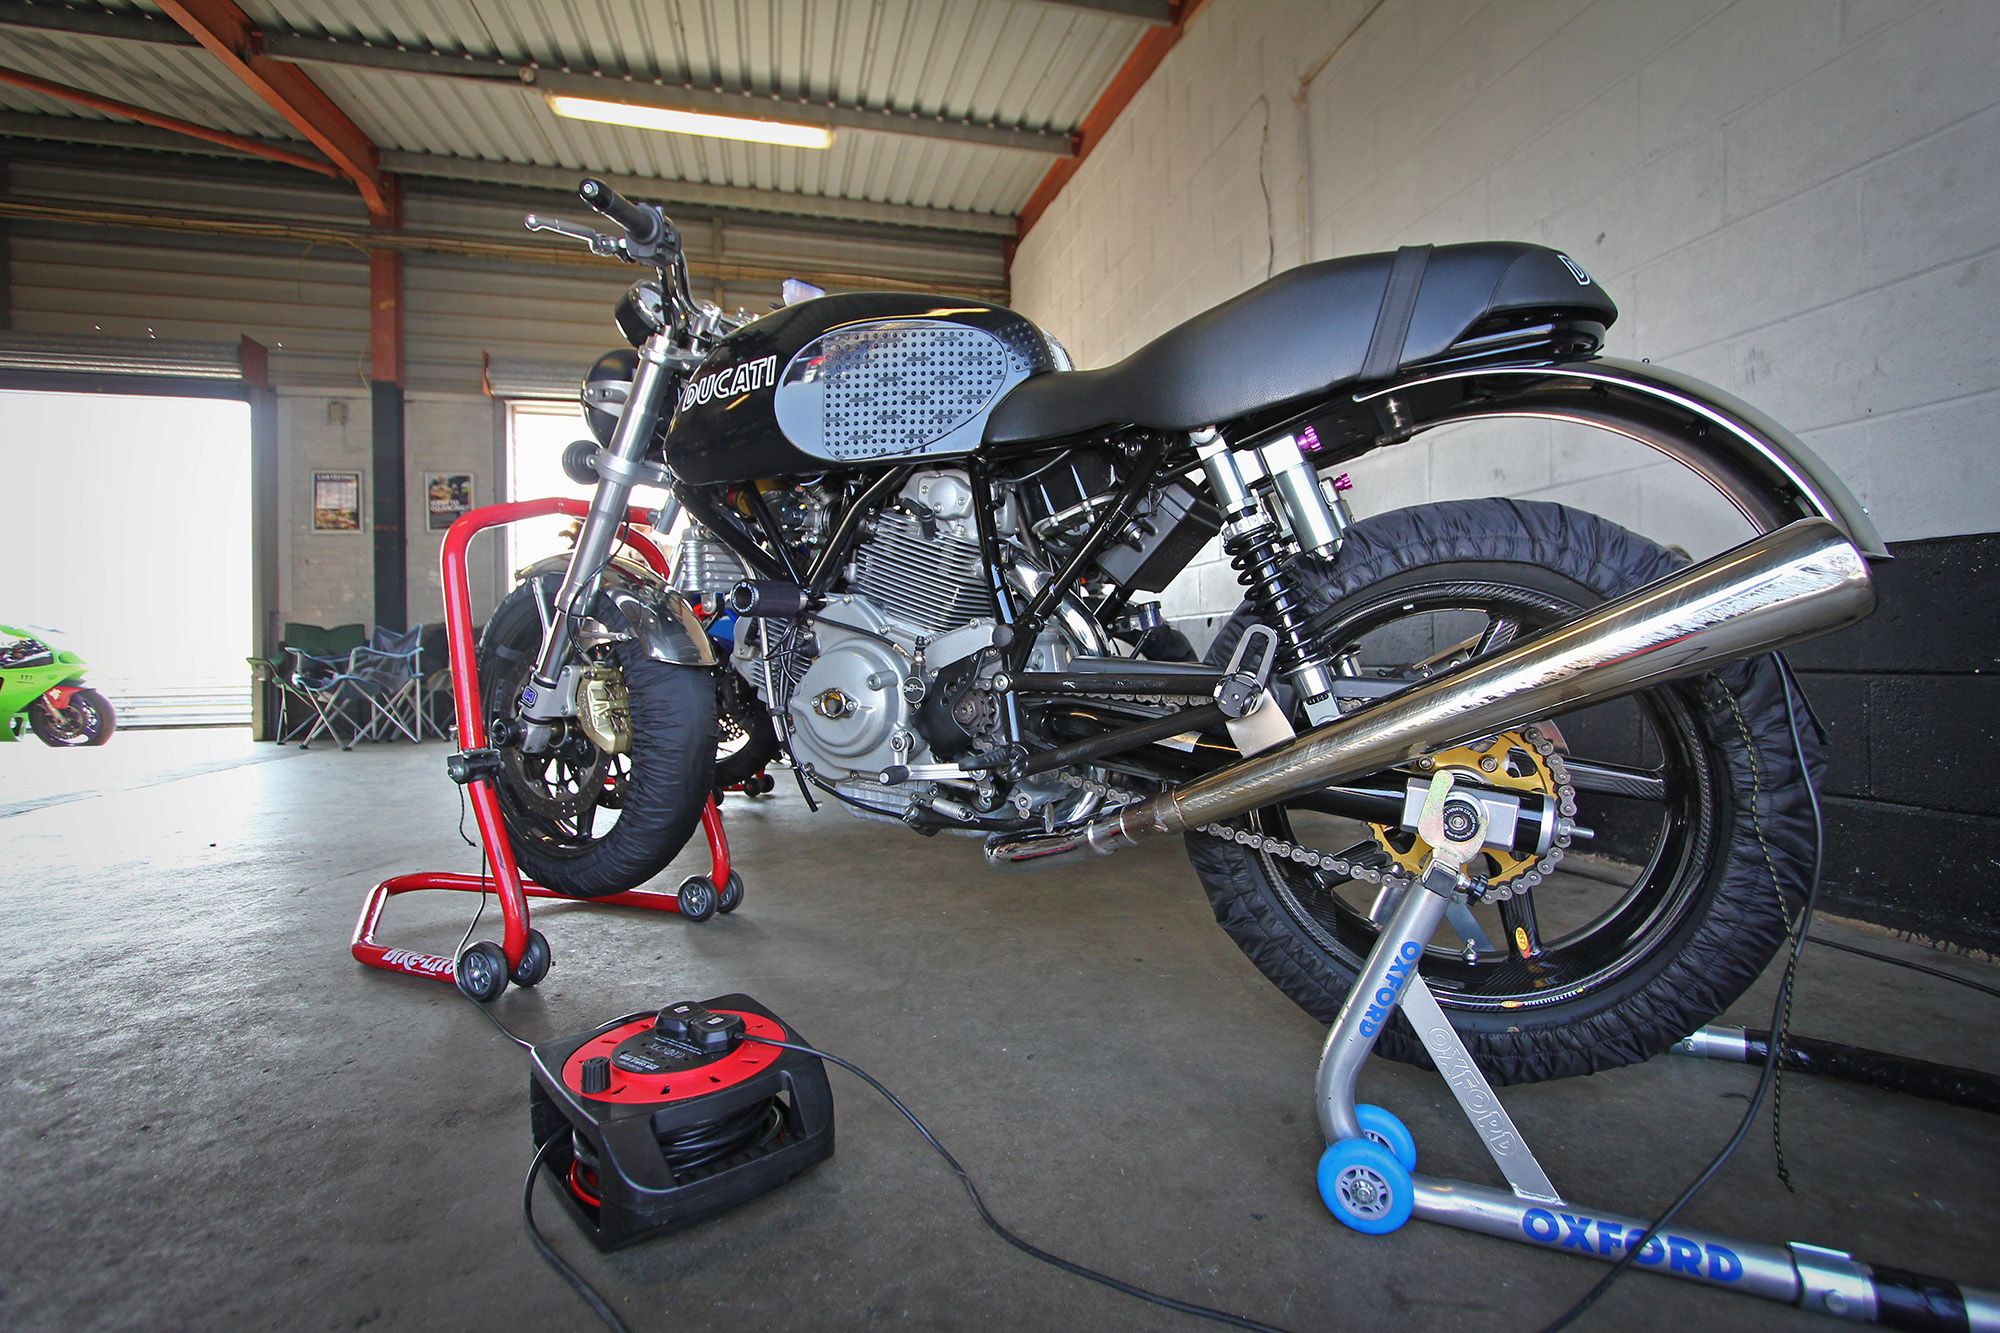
[1803,580]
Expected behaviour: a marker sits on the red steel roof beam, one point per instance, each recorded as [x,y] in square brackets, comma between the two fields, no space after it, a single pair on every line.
[1118,94]
[112,107]
[229,35]
[233,39]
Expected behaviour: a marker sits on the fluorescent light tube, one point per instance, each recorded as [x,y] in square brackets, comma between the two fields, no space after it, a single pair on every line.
[782,133]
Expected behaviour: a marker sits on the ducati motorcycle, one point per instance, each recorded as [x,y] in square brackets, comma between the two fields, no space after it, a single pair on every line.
[937,545]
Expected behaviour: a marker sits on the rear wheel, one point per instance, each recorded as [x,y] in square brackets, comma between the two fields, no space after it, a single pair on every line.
[745,740]
[587,822]
[88,719]
[1693,834]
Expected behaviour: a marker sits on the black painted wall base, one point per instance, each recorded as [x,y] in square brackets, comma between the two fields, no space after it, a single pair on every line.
[392,590]
[1911,702]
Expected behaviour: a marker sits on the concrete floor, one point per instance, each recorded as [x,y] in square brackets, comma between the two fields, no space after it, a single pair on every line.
[212,1117]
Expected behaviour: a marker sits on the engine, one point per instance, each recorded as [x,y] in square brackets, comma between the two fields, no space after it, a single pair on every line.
[888,674]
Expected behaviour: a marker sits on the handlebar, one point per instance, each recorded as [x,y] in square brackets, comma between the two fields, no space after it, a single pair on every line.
[650,238]
[644,224]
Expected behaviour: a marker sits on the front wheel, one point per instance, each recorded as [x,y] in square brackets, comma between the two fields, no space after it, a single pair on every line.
[88,719]
[1690,834]
[583,821]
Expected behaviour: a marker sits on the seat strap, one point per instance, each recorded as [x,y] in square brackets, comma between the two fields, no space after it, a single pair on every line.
[1392,321]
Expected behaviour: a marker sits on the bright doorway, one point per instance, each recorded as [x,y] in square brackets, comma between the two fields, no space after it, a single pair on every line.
[127,535]
[537,434]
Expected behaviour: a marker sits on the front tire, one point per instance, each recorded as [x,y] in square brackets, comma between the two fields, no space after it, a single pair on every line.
[88,720]
[582,822]
[1712,894]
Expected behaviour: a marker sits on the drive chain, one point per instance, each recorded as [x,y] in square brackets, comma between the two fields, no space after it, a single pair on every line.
[1361,868]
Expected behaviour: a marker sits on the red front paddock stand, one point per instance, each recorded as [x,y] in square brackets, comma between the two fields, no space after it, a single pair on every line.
[522,956]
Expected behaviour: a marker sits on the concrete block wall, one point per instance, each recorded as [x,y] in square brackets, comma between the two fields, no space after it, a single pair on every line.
[327,578]
[324,578]
[1797,200]
[451,433]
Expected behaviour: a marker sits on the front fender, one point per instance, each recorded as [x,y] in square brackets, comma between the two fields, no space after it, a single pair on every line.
[665,626]
[1764,470]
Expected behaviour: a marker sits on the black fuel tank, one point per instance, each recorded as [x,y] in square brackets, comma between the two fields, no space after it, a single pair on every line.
[849,381]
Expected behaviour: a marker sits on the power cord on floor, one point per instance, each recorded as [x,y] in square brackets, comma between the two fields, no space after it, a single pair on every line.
[604,1312]
[577,1283]
[1913,966]
[485,892]
[1779,1009]
[999,1228]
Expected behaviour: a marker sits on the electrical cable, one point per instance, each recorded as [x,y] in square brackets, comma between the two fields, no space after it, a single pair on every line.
[999,1228]
[707,1143]
[1924,968]
[1768,1073]
[587,1293]
[485,893]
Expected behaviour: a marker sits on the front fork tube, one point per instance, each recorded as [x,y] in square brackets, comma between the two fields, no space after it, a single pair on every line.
[1371,1002]
[619,468]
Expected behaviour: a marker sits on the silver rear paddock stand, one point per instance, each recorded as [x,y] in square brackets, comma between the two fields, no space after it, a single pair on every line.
[1367,1175]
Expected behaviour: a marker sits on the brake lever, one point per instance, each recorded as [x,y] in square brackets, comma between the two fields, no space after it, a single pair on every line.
[599,243]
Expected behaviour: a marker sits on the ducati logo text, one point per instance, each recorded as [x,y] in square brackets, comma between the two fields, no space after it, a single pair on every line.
[730,380]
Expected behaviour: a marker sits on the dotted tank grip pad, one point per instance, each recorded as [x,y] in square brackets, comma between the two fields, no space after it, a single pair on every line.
[622,1167]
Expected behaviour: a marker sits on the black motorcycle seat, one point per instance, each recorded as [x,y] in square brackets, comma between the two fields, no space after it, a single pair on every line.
[1305,332]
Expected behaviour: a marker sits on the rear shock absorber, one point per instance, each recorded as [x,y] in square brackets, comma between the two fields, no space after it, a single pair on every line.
[1258,551]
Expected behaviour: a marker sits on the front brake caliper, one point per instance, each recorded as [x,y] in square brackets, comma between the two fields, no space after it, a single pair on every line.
[604,708]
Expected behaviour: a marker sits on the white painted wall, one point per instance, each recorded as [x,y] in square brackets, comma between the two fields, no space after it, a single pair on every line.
[1798,200]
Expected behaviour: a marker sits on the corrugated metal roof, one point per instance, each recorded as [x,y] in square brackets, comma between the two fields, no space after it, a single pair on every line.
[505,124]
[1009,62]
[180,81]
[308,302]
[1001,60]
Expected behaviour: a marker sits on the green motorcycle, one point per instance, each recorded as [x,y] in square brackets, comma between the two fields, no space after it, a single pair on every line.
[42,687]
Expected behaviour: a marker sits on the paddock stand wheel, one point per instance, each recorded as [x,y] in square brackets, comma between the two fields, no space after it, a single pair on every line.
[534,964]
[1365,1186]
[1381,1126]
[483,970]
[731,896]
[698,898]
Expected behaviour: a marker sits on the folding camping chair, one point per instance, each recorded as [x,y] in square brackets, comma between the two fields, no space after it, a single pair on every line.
[387,675]
[271,672]
[434,699]
[319,658]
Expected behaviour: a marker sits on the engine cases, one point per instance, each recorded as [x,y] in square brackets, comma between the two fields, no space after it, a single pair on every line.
[851,380]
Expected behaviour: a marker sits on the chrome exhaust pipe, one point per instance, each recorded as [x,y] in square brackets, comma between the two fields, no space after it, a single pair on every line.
[1803,580]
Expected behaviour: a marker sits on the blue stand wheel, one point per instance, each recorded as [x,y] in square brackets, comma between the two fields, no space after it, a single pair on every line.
[1365,1186]
[1383,1127]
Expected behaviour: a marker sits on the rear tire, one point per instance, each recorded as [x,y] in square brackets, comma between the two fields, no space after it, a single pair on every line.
[89,720]
[657,796]
[1706,913]
[746,741]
